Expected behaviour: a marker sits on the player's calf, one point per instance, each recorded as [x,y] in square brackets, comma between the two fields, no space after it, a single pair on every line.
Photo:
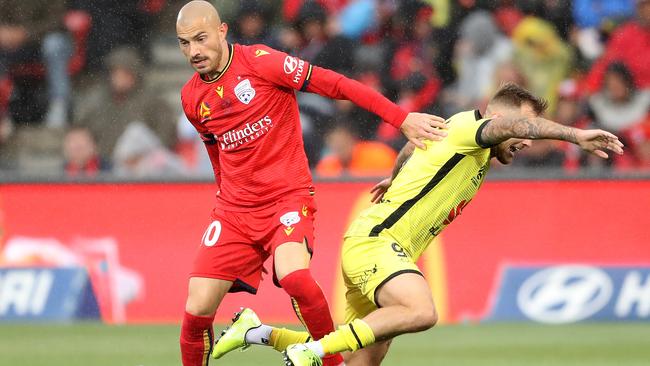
[370,356]
[406,306]
[196,331]
[196,339]
[308,300]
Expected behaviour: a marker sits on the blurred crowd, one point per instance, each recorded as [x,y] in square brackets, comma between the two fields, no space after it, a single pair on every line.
[72,90]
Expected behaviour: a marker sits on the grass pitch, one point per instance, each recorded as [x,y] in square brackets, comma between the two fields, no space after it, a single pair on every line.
[484,345]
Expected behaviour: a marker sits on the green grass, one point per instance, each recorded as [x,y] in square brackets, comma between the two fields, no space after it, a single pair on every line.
[484,345]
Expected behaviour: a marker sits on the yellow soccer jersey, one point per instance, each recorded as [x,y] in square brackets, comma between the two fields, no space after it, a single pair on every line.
[431,189]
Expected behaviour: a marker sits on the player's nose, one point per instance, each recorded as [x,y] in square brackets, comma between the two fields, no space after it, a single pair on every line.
[195,51]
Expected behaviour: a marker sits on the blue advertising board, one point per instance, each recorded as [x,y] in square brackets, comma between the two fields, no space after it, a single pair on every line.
[46,294]
[572,293]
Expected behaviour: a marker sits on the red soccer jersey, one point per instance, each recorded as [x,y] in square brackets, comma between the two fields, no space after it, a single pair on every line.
[248,117]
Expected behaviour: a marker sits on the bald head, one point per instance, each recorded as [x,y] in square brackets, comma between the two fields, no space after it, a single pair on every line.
[202,38]
[198,11]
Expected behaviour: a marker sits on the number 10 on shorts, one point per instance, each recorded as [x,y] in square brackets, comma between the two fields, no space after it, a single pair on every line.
[211,234]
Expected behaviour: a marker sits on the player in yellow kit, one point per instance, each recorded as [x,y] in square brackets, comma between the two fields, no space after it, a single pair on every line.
[387,294]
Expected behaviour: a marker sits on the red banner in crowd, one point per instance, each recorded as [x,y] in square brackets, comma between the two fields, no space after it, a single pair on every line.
[138,240]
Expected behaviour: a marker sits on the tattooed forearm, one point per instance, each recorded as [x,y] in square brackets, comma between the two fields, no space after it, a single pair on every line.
[503,128]
[402,157]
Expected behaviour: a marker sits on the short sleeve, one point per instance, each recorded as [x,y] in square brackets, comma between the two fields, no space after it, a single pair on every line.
[279,68]
[465,132]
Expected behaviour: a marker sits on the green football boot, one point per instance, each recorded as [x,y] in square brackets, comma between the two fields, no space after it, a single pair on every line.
[300,355]
[234,337]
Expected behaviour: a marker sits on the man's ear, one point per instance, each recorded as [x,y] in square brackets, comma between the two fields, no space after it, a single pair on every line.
[223,28]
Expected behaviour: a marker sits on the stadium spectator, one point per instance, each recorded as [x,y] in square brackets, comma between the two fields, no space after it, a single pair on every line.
[594,13]
[619,106]
[571,112]
[543,58]
[292,8]
[593,16]
[118,24]
[416,50]
[350,157]
[508,16]
[640,137]
[250,26]
[318,44]
[357,18]
[412,72]
[313,40]
[32,32]
[506,72]
[5,134]
[556,12]
[80,153]
[109,107]
[479,51]
[628,45]
[139,153]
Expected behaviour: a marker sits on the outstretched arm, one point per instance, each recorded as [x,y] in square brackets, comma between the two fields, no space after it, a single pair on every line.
[380,188]
[291,72]
[501,129]
[415,126]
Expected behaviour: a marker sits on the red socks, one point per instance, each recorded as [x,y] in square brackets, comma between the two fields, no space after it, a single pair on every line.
[197,338]
[311,307]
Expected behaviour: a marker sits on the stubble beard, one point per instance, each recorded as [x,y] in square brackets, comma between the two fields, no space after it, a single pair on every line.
[212,72]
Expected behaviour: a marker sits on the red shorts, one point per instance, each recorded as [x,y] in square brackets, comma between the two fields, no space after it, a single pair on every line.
[236,244]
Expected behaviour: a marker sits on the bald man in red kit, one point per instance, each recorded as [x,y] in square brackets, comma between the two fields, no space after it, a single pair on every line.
[242,102]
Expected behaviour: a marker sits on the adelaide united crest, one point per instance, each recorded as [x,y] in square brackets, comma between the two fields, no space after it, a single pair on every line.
[245,92]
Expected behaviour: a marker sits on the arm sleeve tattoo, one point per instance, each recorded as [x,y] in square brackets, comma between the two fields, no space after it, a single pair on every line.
[500,129]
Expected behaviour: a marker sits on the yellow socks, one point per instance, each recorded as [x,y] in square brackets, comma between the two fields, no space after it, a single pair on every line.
[281,338]
[349,337]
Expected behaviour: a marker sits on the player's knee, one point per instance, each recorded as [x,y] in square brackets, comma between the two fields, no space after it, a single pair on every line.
[424,318]
[198,307]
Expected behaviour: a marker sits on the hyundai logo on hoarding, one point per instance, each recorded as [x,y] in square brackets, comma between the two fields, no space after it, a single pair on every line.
[564,294]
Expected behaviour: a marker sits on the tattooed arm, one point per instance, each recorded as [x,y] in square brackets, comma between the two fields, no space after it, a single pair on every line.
[402,157]
[380,188]
[503,128]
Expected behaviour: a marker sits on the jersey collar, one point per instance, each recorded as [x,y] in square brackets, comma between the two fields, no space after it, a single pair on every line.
[477,115]
[231,54]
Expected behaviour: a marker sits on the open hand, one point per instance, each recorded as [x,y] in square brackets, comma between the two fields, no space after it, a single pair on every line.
[596,141]
[379,189]
[421,126]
